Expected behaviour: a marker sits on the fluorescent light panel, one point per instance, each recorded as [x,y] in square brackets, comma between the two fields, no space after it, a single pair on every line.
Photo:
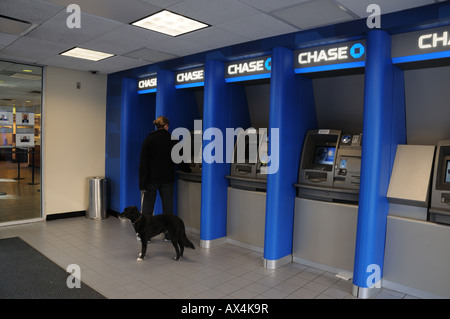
[169,23]
[86,54]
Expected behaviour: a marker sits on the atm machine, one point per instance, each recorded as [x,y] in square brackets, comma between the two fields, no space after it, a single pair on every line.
[249,161]
[189,186]
[246,204]
[330,166]
[326,205]
[440,193]
[196,159]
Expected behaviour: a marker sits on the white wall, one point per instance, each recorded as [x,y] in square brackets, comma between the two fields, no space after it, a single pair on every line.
[74,138]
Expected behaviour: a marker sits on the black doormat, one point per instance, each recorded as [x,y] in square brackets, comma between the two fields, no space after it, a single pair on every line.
[27,274]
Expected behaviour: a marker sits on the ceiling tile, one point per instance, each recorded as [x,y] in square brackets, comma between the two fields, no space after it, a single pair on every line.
[34,11]
[65,62]
[360,7]
[163,3]
[214,12]
[258,26]
[118,10]
[131,39]
[149,55]
[31,50]
[271,5]
[179,46]
[56,29]
[313,14]
[213,38]
[114,64]
[7,39]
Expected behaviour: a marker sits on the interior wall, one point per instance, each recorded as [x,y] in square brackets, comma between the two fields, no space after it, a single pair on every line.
[427,105]
[74,137]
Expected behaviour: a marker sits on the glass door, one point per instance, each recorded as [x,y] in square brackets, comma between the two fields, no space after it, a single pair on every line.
[20,141]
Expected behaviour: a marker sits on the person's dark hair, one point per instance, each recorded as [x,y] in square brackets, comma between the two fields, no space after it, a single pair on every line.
[161,121]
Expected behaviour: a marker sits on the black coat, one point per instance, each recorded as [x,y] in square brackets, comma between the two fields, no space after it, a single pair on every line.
[156,165]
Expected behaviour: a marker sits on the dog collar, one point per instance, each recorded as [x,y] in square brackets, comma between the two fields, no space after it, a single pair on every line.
[137,220]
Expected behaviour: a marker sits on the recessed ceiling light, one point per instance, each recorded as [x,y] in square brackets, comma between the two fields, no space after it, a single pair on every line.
[169,23]
[28,71]
[86,54]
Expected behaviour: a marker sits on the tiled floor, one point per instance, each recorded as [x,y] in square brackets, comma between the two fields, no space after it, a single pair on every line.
[106,251]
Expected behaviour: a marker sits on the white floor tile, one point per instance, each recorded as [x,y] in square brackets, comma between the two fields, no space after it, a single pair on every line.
[107,250]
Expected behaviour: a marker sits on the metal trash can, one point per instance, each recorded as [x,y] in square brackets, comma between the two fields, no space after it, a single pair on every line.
[97,198]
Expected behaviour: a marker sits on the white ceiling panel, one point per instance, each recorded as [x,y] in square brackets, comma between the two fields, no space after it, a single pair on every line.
[214,12]
[114,64]
[213,38]
[118,10]
[179,46]
[271,5]
[313,14]
[131,39]
[56,29]
[31,50]
[34,11]
[258,26]
[163,3]
[65,62]
[7,39]
[150,55]
[360,7]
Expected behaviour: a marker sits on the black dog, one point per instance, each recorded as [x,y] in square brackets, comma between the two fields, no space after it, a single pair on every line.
[149,226]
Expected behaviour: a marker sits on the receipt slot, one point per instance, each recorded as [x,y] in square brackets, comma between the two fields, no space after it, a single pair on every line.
[440,194]
[330,166]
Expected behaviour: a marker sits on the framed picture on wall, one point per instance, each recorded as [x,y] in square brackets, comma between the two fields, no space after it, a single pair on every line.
[6,118]
[24,119]
[24,140]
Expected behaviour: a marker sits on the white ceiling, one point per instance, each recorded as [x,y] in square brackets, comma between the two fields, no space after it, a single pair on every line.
[105,26]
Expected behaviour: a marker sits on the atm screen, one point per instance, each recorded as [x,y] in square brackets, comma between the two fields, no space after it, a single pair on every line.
[447,172]
[324,155]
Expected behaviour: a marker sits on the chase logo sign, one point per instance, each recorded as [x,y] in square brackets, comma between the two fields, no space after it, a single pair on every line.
[330,57]
[147,85]
[248,69]
[190,78]
[421,45]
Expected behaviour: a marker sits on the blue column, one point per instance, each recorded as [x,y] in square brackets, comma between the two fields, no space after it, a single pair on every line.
[130,132]
[292,112]
[213,220]
[383,128]
[225,106]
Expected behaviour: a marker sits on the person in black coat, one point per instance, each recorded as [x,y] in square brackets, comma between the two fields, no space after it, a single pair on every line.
[156,168]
